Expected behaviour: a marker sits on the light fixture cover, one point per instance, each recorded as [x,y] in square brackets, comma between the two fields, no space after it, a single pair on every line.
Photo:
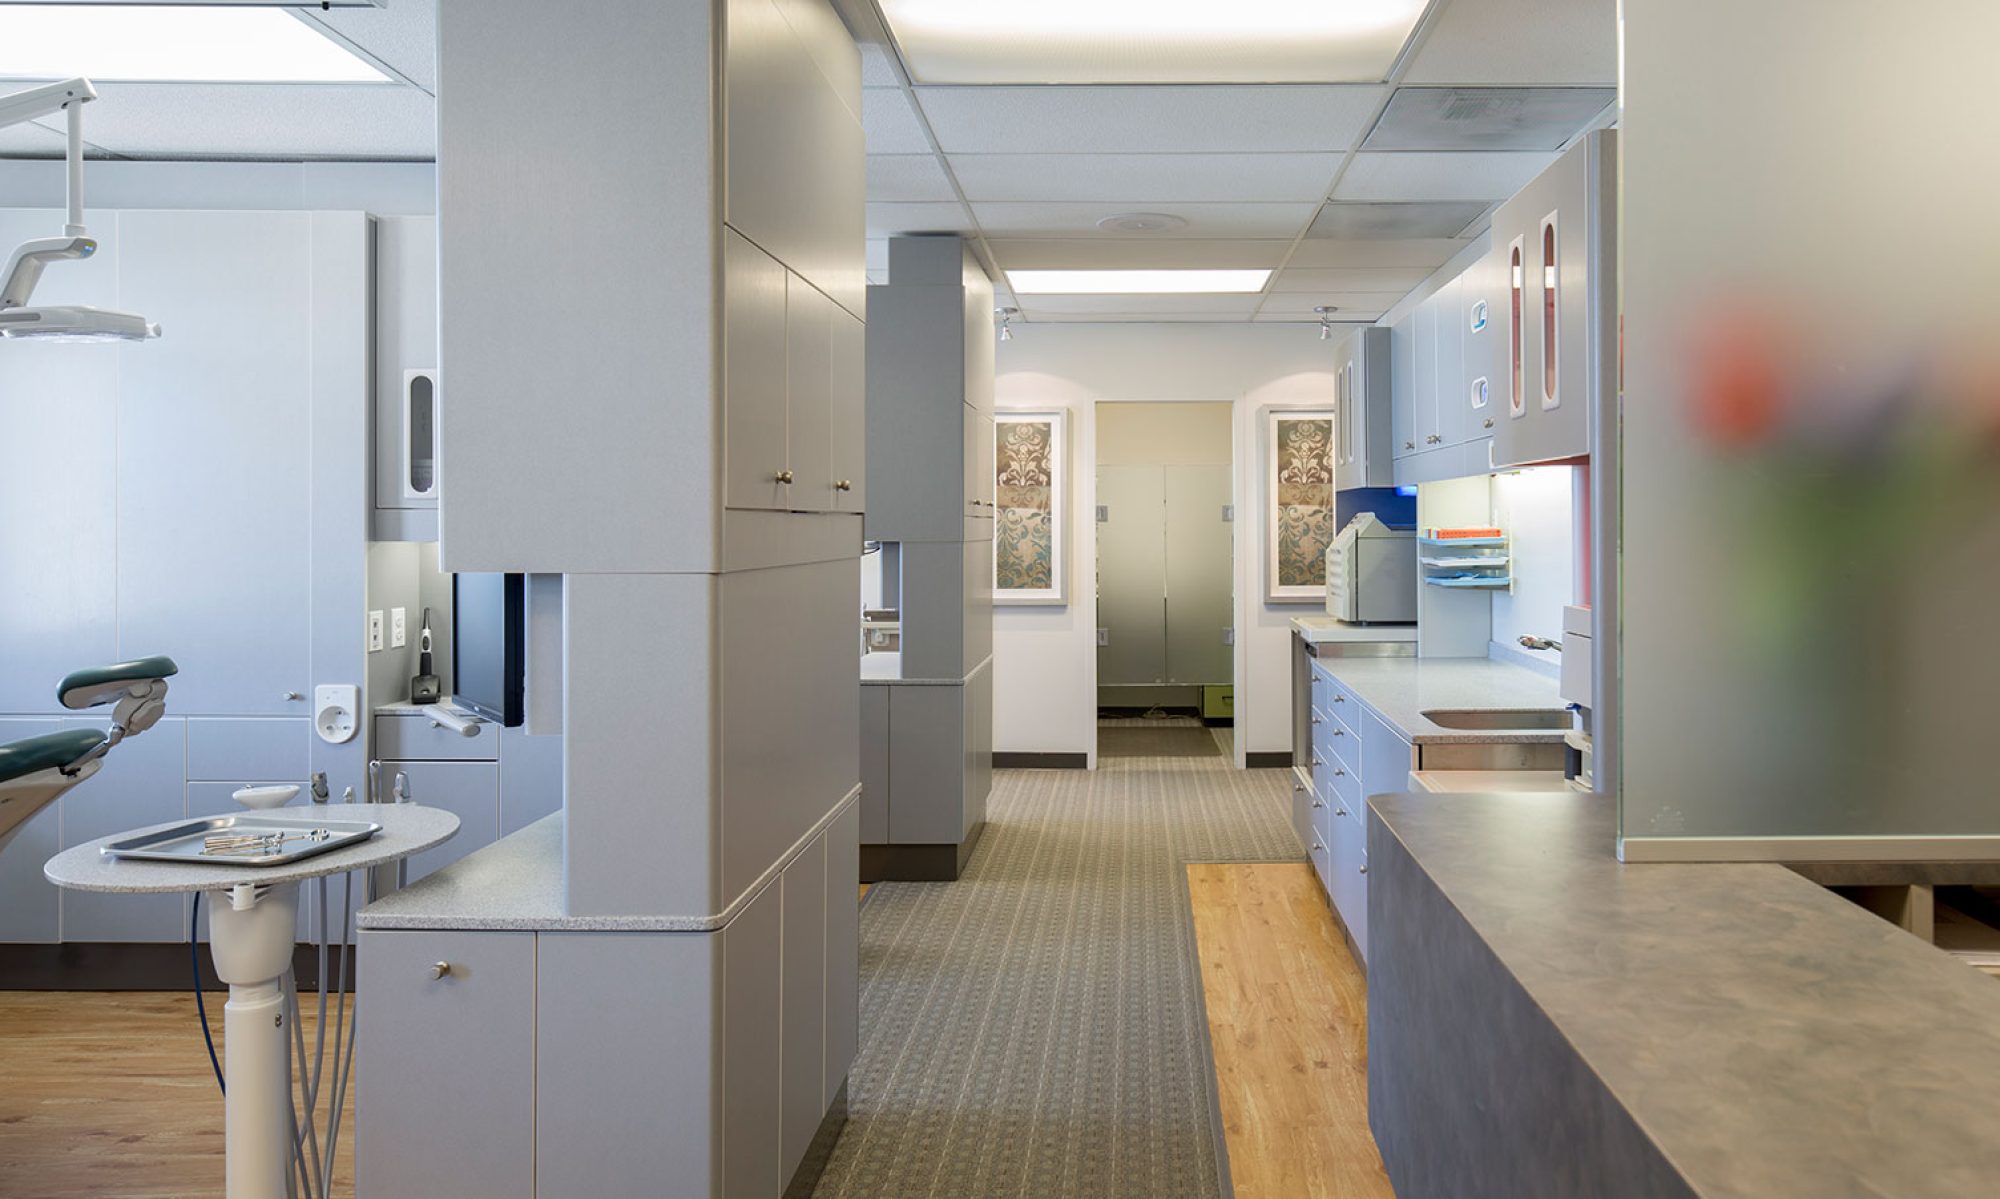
[1151,41]
[1165,282]
[172,43]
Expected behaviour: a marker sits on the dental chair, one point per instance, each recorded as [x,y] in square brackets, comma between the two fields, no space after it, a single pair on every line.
[34,771]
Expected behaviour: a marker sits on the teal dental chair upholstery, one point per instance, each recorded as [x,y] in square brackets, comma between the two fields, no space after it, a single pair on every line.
[36,770]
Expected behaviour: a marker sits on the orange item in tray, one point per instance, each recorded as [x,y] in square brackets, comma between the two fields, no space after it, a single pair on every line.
[1455,534]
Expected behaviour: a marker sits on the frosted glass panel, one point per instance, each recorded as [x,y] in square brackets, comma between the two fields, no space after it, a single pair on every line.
[1811,440]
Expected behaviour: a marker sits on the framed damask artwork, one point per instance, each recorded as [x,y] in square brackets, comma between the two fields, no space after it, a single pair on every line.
[1300,518]
[1031,517]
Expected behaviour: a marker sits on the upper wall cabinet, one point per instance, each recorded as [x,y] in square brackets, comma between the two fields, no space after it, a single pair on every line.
[1363,410]
[793,425]
[407,384]
[1557,238]
[792,86]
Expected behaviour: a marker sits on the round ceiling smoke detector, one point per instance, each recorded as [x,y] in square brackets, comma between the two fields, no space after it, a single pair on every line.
[1141,222]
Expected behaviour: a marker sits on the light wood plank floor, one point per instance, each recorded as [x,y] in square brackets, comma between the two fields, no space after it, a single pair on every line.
[110,1095]
[1287,1015]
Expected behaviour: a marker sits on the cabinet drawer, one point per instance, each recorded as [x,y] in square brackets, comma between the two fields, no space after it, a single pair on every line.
[1334,744]
[413,737]
[1349,886]
[446,1099]
[1339,786]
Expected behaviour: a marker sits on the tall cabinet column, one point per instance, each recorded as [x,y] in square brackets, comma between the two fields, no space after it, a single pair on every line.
[650,321]
[928,733]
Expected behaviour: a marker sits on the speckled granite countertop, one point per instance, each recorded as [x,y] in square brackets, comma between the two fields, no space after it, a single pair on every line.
[514,883]
[1400,690]
[1771,1039]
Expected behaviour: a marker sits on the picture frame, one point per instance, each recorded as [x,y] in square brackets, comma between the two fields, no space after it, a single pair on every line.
[1300,518]
[1031,514]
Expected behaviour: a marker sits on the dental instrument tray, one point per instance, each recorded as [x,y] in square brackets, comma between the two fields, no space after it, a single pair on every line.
[251,839]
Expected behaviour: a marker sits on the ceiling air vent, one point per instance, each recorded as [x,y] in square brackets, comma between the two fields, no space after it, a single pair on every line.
[1486,118]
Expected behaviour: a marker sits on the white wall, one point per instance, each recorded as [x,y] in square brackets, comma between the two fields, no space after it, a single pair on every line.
[1535,507]
[1045,659]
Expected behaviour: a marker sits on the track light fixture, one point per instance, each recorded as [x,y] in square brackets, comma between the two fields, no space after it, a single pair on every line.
[1006,316]
[1325,312]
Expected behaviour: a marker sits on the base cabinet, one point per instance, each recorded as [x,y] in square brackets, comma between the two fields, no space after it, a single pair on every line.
[1355,754]
[445,1102]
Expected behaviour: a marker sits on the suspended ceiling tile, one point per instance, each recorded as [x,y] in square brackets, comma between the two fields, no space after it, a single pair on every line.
[1142,120]
[890,123]
[876,70]
[1345,320]
[387,121]
[1399,221]
[402,35]
[1429,253]
[1111,254]
[1425,176]
[1380,279]
[906,177]
[30,140]
[1133,180]
[1023,219]
[1521,41]
[888,220]
[1486,118]
[1352,305]
[1144,41]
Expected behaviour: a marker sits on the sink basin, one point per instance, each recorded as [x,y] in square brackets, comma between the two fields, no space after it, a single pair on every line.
[1514,718]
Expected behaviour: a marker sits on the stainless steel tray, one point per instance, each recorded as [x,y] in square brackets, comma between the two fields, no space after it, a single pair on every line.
[277,841]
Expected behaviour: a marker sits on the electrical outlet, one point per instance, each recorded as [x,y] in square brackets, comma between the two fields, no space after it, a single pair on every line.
[375,631]
[397,618]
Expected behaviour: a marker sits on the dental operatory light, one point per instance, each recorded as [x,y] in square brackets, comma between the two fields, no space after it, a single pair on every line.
[172,43]
[1151,41]
[67,322]
[1325,312]
[1106,283]
[1006,316]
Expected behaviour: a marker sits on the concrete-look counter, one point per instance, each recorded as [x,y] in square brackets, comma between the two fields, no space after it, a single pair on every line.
[1545,1021]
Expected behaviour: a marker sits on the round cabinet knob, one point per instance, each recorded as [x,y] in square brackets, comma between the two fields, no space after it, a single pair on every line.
[844,485]
[293,696]
[1341,812]
[1298,787]
[440,969]
[1316,720]
[1318,803]
[785,477]
[1433,439]
[1364,867]
[1409,445]
[1337,773]
[1489,422]
[1340,699]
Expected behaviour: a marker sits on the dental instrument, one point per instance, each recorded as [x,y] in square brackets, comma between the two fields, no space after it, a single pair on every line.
[61,322]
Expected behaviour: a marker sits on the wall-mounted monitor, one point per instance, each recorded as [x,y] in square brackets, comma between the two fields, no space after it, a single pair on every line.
[489,636]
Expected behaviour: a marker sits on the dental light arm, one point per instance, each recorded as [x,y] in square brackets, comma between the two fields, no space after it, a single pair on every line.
[25,265]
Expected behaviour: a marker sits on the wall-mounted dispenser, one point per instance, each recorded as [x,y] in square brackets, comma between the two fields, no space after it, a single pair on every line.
[420,425]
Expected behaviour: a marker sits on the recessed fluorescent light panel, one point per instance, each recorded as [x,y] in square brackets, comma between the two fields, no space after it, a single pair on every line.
[1151,41]
[172,43]
[1134,283]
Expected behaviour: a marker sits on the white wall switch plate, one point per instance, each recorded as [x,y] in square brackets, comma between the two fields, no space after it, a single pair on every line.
[375,631]
[398,617]
[336,710]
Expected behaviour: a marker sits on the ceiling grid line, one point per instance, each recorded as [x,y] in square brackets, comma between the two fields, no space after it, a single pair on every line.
[1404,61]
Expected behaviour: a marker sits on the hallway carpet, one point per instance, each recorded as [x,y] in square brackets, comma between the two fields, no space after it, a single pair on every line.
[1035,1029]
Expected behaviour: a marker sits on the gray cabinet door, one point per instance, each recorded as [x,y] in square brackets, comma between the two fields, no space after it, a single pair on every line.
[808,395]
[1424,379]
[531,777]
[1452,409]
[1403,386]
[875,798]
[753,411]
[141,783]
[848,442]
[212,422]
[445,1097]
[802,1052]
[843,949]
[927,765]
[979,698]
[469,790]
[752,1003]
